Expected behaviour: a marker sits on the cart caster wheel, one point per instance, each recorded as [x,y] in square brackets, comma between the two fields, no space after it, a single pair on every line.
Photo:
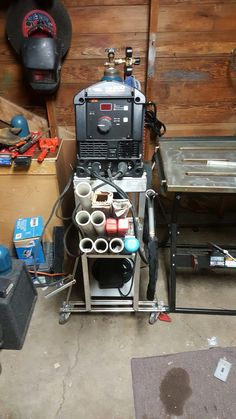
[63,318]
[153,318]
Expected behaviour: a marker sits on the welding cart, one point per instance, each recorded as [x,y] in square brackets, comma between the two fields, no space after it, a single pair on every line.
[110,300]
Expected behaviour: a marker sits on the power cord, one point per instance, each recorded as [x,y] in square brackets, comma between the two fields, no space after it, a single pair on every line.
[65,238]
[54,209]
[131,283]
[152,122]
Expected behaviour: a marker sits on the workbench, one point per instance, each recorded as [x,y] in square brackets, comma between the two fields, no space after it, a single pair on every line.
[196,166]
[32,191]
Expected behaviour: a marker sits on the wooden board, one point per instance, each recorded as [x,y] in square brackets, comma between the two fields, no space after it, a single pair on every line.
[87,3]
[201,130]
[103,19]
[36,122]
[193,130]
[198,2]
[192,17]
[83,70]
[34,192]
[9,109]
[186,44]
[203,114]
[87,46]
[25,196]
[194,86]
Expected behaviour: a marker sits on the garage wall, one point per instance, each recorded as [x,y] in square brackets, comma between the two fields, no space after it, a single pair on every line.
[96,25]
[193,85]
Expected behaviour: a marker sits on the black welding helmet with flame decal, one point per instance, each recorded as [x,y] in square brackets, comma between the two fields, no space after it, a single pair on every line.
[40,33]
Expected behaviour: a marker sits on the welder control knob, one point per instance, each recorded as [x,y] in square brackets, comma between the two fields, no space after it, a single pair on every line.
[104,124]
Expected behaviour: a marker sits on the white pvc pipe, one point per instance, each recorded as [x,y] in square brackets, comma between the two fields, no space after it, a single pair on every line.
[83,220]
[86,245]
[101,245]
[116,245]
[84,193]
[98,220]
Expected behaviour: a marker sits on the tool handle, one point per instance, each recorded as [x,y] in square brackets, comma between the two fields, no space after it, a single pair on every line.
[25,147]
[34,139]
[42,155]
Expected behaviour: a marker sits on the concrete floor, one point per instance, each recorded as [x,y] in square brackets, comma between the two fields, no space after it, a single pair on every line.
[81,370]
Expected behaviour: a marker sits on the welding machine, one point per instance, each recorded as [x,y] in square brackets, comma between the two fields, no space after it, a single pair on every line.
[109,117]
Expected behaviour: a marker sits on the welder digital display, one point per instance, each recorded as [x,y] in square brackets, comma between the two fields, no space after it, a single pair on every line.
[105,107]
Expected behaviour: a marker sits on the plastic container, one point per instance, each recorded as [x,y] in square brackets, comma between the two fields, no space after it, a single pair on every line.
[131,244]
[5,260]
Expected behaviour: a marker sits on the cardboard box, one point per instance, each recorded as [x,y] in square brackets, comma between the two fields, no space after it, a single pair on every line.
[26,240]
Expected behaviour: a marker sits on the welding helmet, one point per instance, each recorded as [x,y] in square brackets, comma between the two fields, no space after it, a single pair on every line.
[40,33]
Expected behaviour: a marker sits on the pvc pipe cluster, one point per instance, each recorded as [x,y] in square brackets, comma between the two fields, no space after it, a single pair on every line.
[83,219]
[94,224]
[91,224]
[116,245]
[84,193]
[98,221]
[86,245]
[101,245]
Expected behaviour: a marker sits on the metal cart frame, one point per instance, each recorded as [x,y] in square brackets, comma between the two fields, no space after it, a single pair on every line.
[137,187]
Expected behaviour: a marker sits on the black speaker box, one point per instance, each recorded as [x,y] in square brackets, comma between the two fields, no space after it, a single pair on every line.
[16,305]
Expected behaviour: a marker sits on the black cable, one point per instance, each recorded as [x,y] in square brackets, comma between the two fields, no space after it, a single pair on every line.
[57,204]
[66,189]
[54,208]
[69,253]
[152,122]
[117,176]
[131,284]
[61,217]
[166,237]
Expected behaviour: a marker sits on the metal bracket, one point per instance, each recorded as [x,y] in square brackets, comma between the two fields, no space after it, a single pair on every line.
[62,286]
[151,55]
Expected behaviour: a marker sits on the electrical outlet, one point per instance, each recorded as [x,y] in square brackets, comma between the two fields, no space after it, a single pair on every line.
[222,369]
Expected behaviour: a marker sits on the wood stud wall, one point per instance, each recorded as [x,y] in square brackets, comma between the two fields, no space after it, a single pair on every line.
[194,84]
[194,87]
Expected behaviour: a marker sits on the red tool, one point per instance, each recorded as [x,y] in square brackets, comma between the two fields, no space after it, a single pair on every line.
[111,226]
[164,317]
[47,145]
[35,136]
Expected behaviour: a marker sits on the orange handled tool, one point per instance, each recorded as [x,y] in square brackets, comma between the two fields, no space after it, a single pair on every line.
[47,145]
